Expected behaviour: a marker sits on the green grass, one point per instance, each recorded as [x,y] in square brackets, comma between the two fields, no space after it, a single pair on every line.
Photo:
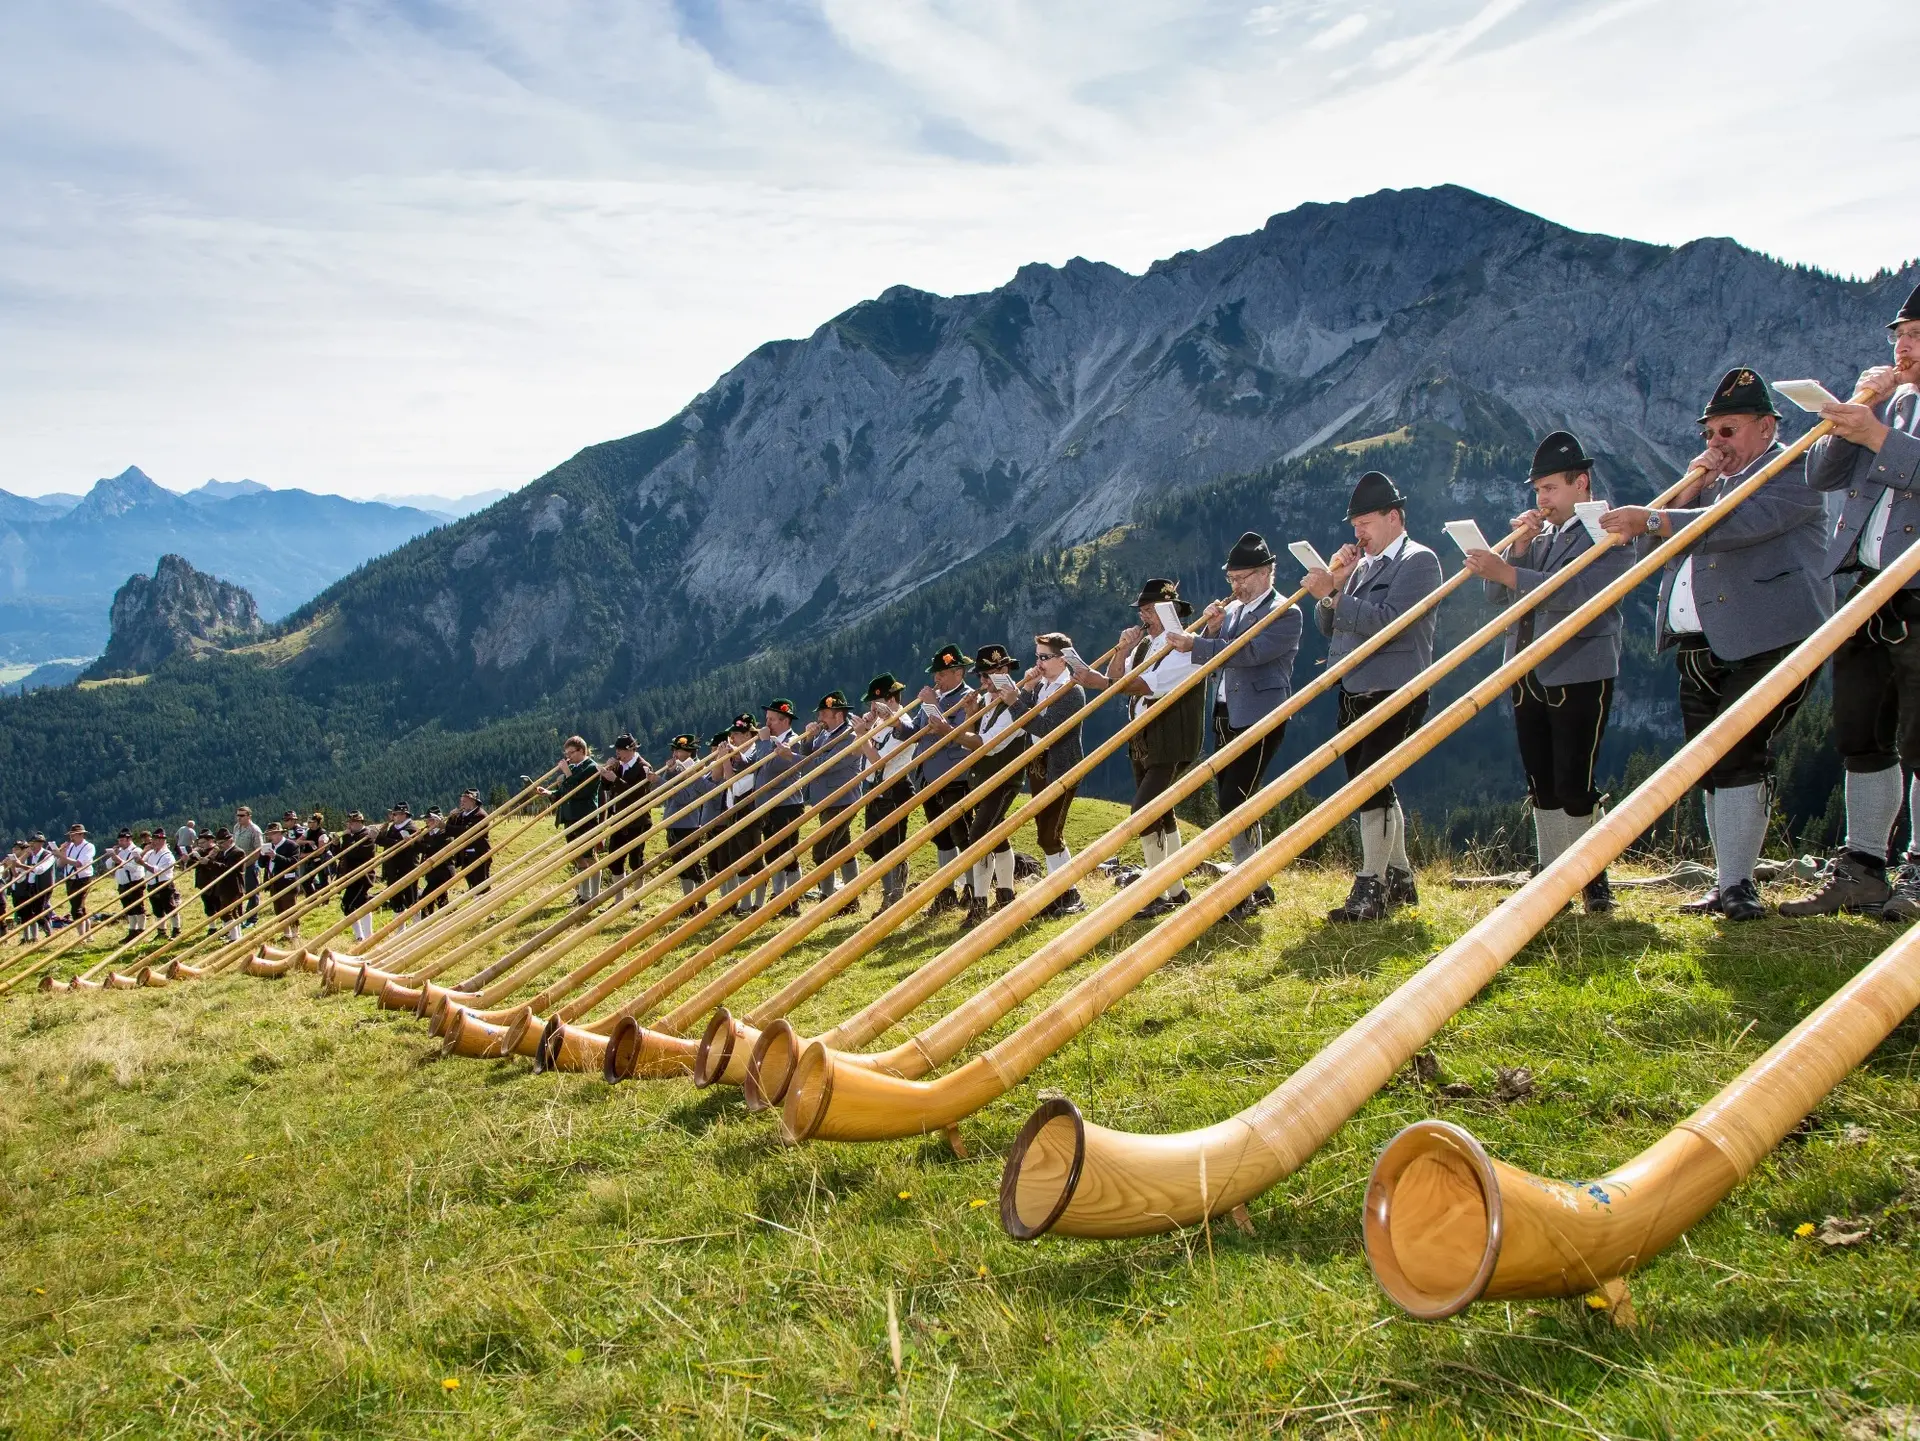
[238,1208]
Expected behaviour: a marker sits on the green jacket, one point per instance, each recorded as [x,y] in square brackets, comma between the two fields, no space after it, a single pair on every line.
[579,791]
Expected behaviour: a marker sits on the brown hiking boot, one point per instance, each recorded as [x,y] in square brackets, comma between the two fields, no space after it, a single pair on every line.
[1853,883]
[1401,890]
[1367,901]
[1002,897]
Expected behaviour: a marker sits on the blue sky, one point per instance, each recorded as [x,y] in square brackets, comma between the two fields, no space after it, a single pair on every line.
[367,247]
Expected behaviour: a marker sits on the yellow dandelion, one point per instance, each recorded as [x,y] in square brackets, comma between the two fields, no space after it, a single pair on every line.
[981,1273]
[452,1383]
[39,1290]
[976,1203]
[1597,1302]
[906,1195]
[1804,1229]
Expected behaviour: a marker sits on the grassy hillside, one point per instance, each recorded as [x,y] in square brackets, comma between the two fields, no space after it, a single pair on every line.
[239,1209]
[302,721]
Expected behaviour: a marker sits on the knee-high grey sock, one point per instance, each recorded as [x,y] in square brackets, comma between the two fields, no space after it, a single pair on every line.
[1058,859]
[1913,818]
[779,882]
[1397,839]
[849,872]
[943,854]
[1707,810]
[687,885]
[1740,830]
[1374,843]
[1572,828]
[1548,827]
[1873,805]
[1150,849]
[980,878]
[1169,843]
[1241,848]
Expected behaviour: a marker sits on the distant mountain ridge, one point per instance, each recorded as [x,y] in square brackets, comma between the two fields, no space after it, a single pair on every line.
[821,479]
[60,567]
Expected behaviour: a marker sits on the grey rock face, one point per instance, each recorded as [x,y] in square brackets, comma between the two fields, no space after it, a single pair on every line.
[176,608]
[822,478]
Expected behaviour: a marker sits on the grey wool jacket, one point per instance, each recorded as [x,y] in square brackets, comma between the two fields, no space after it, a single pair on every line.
[952,756]
[1373,597]
[1866,476]
[837,755]
[1593,654]
[1258,676]
[1760,579]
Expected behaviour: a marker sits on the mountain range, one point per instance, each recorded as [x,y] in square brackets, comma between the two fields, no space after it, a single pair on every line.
[835,504]
[60,565]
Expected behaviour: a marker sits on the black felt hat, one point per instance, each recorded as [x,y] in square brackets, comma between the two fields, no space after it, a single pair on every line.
[720,738]
[884,686]
[223,834]
[779,705]
[1250,552]
[834,700]
[356,816]
[1557,454]
[685,741]
[949,657]
[1375,491]
[473,791]
[992,657]
[743,725]
[1158,590]
[1741,391]
[625,742]
[1909,311]
[401,807]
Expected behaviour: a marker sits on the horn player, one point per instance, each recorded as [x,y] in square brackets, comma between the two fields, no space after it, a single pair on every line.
[1254,681]
[1873,455]
[1731,608]
[1386,571]
[1560,707]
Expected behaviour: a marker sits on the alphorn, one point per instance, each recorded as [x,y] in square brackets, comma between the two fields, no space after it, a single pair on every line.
[1446,1225]
[733,1050]
[1064,1174]
[177,946]
[848,1097]
[546,859]
[664,1046]
[474,1032]
[626,1049]
[541,864]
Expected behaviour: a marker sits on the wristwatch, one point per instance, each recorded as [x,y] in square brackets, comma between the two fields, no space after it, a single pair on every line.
[1653,522]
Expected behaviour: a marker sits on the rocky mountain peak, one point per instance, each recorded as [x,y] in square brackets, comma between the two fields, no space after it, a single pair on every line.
[116,495]
[175,609]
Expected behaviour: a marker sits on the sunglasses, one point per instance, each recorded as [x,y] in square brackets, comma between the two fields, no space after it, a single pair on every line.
[1722,432]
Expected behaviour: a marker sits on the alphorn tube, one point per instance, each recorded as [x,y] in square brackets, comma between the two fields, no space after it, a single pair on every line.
[841,1097]
[1446,1225]
[140,942]
[726,1038]
[740,1052]
[1065,1174]
[433,1003]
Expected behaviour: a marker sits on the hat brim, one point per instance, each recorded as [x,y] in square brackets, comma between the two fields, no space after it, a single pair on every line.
[1571,467]
[1710,413]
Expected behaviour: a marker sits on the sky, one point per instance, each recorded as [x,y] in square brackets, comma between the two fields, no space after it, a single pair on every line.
[440,245]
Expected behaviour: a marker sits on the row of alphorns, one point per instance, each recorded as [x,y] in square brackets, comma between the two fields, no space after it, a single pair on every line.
[1444,1224]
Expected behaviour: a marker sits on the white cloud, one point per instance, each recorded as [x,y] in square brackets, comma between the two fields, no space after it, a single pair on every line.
[441,244]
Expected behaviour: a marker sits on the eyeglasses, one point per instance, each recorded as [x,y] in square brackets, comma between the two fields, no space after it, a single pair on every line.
[1724,432]
[1894,337]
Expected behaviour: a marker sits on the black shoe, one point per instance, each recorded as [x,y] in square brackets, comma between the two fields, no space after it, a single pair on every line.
[1853,883]
[1069,903]
[1741,902]
[1262,896]
[1401,890]
[1244,910]
[1598,896]
[1706,905]
[1160,906]
[945,901]
[790,911]
[1367,901]
[1002,897]
[1905,904]
[976,913]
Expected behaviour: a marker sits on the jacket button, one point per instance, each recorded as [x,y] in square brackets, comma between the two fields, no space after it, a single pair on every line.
[1908,529]
[1851,494]
[1723,600]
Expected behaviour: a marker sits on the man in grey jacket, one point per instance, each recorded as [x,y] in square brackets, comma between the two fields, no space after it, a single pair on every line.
[1874,455]
[1255,680]
[1745,594]
[945,705]
[1372,583]
[1560,707]
[830,746]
